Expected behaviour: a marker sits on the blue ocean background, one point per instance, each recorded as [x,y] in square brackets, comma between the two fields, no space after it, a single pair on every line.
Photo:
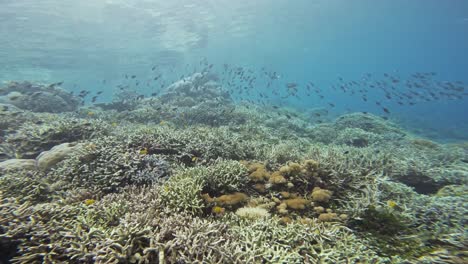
[85,42]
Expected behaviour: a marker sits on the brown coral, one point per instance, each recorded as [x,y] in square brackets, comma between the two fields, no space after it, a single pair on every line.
[321,195]
[294,168]
[310,165]
[231,199]
[296,203]
[258,172]
[277,178]
[327,217]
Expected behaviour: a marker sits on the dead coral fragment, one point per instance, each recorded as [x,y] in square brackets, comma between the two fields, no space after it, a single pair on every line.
[252,212]
[321,195]
[296,203]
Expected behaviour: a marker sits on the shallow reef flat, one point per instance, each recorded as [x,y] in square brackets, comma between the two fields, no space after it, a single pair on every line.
[191,176]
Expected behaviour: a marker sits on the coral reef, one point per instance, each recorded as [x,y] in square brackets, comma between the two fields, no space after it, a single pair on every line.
[38,97]
[153,180]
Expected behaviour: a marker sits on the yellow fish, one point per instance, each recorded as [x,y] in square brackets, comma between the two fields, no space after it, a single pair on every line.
[144,151]
[194,159]
[392,204]
[89,201]
[218,210]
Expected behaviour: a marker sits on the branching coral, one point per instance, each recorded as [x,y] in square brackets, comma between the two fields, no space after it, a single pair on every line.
[182,192]
[34,137]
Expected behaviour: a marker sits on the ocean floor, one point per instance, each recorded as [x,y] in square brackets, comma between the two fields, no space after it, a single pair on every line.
[191,176]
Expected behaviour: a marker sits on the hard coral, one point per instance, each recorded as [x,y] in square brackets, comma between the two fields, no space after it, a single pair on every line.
[296,203]
[277,178]
[327,217]
[231,199]
[258,172]
[321,195]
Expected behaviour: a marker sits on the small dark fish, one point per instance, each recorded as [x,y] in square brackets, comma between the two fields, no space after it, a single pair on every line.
[346,152]
[55,84]
[93,100]
[288,116]
[140,97]
[133,76]
[385,110]
[331,104]
[154,68]
[291,85]
[275,106]
[99,92]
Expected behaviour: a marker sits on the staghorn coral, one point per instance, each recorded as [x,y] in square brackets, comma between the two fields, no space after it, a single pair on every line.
[32,139]
[268,240]
[182,192]
[224,176]
[105,166]
[39,97]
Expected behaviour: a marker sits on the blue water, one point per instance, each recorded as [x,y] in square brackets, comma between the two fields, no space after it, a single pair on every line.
[85,42]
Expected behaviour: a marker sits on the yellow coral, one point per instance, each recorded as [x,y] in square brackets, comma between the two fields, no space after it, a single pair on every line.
[321,195]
